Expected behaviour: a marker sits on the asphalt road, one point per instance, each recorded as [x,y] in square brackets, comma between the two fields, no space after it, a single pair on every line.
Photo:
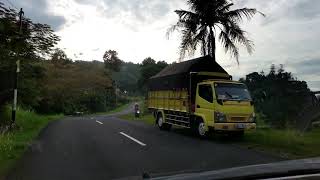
[106,147]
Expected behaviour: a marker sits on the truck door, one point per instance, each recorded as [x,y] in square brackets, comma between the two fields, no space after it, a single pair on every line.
[204,102]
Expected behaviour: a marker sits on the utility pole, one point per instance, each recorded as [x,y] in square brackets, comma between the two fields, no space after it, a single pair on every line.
[115,84]
[15,88]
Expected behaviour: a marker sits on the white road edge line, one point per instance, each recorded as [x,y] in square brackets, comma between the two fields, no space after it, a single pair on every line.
[133,139]
[99,122]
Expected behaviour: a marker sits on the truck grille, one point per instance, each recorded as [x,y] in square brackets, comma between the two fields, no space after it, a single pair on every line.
[238,118]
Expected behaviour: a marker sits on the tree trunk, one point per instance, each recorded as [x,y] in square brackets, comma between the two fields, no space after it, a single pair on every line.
[204,53]
[209,46]
[213,45]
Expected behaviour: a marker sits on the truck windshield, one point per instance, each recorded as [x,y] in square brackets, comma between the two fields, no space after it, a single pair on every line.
[227,91]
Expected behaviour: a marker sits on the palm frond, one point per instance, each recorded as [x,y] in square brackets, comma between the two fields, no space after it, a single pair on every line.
[238,14]
[187,20]
[171,29]
[229,45]
[225,8]
[201,36]
[188,44]
[237,35]
[183,14]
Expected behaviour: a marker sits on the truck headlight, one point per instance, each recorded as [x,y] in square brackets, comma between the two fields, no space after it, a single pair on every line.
[252,117]
[219,117]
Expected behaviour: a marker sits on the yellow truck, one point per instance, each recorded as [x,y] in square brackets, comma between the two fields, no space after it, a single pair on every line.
[199,94]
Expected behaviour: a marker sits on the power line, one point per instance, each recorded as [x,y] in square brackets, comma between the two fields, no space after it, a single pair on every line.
[12,4]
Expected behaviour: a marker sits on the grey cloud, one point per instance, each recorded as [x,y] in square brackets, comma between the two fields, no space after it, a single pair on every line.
[36,10]
[288,9]
[314,85]
[142,10]
[83,1]
[308,67]
[305,9]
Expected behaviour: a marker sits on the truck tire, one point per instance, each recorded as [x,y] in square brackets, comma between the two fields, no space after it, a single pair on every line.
[199,128]
[161,124]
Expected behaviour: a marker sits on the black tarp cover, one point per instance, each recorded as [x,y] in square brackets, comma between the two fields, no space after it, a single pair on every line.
[177,75]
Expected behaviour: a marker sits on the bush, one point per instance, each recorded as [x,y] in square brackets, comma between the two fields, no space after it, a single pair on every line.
[278,96]
[5,116]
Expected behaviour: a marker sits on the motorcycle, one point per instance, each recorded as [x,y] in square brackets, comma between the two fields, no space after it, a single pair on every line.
[137,114]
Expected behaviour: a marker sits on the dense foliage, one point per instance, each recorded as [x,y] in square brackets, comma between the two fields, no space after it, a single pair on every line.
[127,78]
[112,61]
[149,68]
[278,96]
[77,86]
[23,42]
[49,81]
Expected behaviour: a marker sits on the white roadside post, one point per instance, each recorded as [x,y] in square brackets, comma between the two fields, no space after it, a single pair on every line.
[15,88]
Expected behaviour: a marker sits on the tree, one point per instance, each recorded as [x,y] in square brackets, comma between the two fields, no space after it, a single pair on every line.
[272,70]
[209,20]
[127,78]
[35,39]
[149,68]
[112,61]
[60,57]
[279,97]
[80,86]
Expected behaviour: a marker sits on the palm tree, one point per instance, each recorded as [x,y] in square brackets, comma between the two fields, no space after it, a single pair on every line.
[209,20]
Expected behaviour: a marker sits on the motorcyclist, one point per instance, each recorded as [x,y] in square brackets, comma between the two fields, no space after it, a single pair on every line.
[136,110]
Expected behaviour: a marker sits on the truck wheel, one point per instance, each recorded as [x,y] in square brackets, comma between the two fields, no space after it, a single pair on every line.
[161,124]
[200,129]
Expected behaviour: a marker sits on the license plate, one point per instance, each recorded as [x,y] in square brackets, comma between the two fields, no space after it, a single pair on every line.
[240,126]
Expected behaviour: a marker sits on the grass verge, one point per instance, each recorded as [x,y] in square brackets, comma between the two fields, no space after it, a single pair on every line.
[286,143]
[14,143]
[146,118]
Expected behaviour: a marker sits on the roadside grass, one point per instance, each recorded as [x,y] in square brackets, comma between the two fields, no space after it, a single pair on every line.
[287,143]
[146,118]
[15,142]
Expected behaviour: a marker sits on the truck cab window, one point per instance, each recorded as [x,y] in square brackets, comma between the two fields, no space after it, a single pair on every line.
[205,91]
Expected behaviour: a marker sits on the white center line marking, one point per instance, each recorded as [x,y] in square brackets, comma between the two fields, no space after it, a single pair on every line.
[133,139]
[99,122]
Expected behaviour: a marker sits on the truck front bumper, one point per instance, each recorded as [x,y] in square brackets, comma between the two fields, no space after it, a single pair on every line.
[234,126]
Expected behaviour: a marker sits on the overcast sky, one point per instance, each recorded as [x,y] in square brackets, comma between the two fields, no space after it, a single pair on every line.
[289,34]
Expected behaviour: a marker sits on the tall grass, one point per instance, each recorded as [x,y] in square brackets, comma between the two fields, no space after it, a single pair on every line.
[14,143]
[5,116]
[287,142]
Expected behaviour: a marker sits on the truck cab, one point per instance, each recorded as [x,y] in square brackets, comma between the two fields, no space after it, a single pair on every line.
[224,105]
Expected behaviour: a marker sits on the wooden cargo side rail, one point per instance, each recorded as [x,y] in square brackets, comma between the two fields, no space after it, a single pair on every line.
[177,118]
